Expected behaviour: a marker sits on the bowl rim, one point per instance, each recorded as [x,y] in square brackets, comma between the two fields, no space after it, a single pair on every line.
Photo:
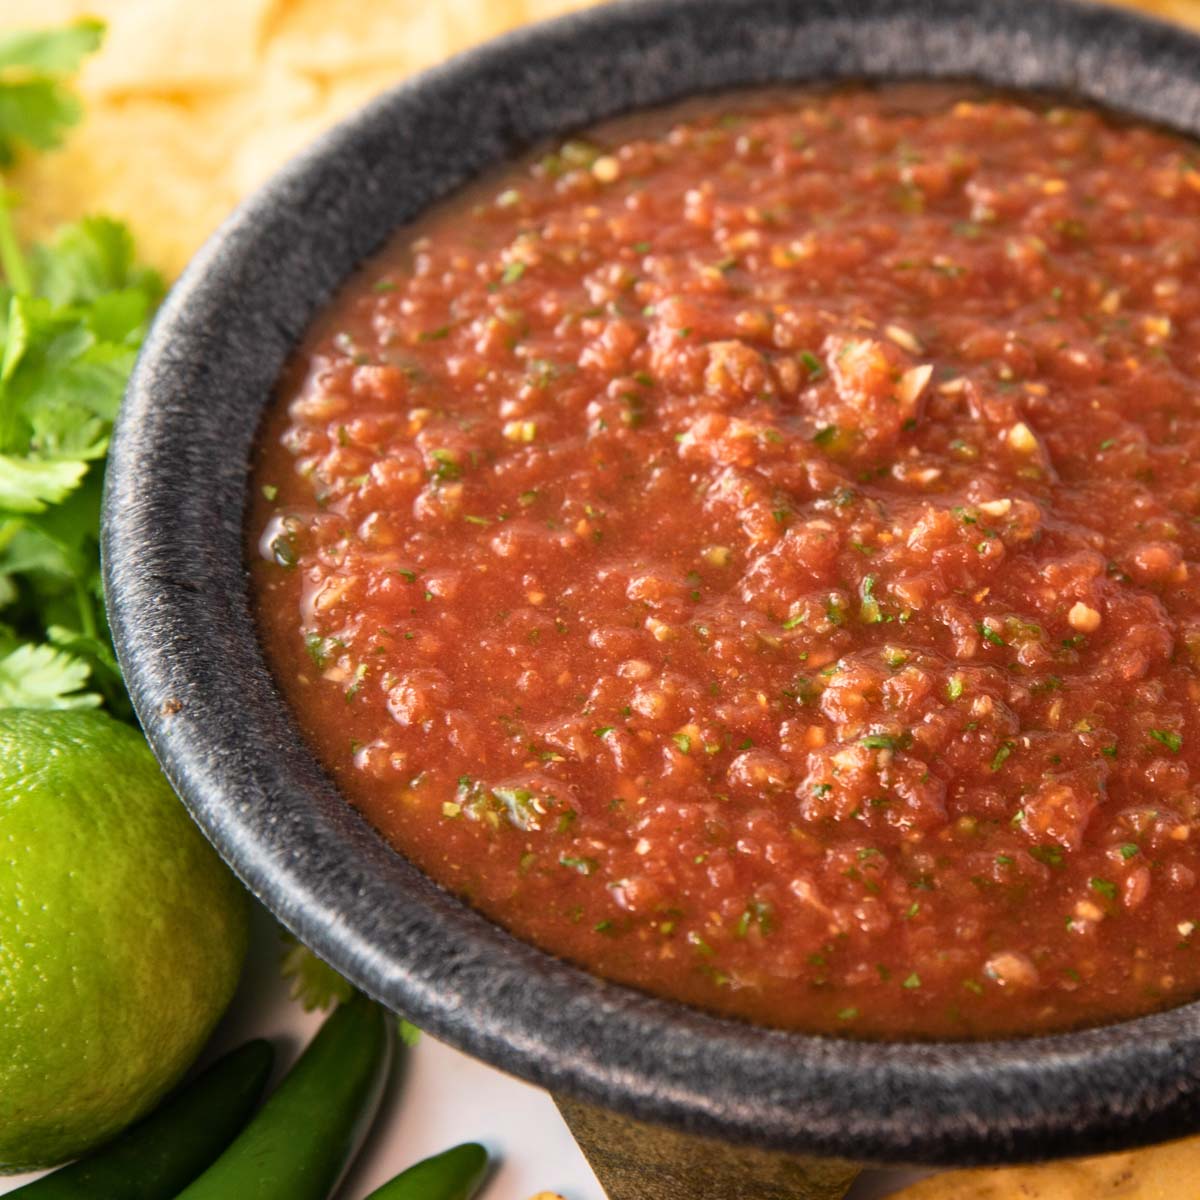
[178,599]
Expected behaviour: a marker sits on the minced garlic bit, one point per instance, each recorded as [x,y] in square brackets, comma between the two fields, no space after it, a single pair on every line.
[520,431]
[606,168]
[1020,438]
[717,556]
[912,383]
[1156,329]
[903,338]
[1083,617]
[995,508]
[1011,969]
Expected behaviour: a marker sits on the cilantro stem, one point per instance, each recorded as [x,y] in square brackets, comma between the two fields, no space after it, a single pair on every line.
[16,270]
[87,615]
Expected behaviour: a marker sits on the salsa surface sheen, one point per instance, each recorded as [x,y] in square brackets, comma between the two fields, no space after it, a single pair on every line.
[751,551]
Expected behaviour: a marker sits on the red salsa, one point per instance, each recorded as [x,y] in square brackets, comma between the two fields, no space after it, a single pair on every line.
[752,551]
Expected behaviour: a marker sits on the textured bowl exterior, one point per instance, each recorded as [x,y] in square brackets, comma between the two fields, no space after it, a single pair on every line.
[179,605]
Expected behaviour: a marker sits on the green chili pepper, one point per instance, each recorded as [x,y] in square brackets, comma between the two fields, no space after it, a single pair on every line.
[454,1175]
[165,1152]
[298,1145]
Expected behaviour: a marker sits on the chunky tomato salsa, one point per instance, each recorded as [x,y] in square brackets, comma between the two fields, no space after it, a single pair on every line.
[751,551]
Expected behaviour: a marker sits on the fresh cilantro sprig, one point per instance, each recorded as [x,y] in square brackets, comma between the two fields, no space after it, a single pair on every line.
[72,316]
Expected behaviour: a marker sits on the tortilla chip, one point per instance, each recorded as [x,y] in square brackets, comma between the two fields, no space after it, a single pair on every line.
[140,161]
[1159,1173]
[337,37]
[173,48]
[471,22]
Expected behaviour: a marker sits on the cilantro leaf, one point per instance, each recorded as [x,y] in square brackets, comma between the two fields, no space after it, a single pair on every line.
[33,676]
[36,107]
[50,51]
[89,260]
[36,111]
[315,984]
[28,485]
[101,663]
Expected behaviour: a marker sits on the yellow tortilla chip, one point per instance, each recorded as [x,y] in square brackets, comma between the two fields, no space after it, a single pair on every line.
[1159,1173]
[540,10]
[154,46]
[471,22]
[337,37]
[141,161]
[1186,12]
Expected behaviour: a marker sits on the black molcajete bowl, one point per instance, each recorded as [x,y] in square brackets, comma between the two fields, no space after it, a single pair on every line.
[178,596]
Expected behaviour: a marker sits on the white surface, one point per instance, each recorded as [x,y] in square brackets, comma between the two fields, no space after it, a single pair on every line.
[437,1099]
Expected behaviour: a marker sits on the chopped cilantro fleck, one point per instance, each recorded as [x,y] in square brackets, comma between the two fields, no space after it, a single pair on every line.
[448,467]
[1001,756]
[1168,738]
[812,364]
[756,912]
[990,635]
[886,741]
[1050,855]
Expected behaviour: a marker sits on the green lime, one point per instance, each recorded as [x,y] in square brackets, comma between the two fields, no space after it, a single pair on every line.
[122,934]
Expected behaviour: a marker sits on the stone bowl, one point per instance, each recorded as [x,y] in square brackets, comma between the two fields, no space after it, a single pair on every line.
[179,605]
